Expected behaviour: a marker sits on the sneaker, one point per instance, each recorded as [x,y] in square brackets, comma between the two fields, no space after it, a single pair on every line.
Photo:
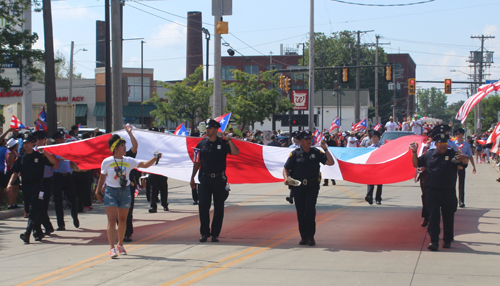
[112,253]
[121,249]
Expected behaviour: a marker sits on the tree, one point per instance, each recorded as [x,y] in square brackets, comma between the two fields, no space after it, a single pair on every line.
[250,101]
[61,66]
[16,45]
[187,100]
[432,103]
[339,49]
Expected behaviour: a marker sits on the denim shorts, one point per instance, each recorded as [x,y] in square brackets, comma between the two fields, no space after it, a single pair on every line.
[117,197]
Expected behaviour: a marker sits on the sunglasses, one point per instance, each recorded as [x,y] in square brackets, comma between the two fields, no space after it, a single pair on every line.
[442,143]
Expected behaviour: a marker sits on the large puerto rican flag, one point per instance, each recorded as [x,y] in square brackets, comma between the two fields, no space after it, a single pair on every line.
[255,163]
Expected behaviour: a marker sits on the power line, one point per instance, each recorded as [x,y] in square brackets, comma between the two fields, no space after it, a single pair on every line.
[384,5]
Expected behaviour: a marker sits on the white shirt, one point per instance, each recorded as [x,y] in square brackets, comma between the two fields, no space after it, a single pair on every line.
[416,128]
[391,126]
[351,142]
[405,127]
[108,168]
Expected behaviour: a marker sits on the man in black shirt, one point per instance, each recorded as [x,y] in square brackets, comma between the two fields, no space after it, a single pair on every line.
[440,165]
[213,151]
[303,165]
[274,142]
[30,166]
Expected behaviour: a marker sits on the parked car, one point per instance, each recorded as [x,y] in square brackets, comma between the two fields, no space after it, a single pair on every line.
[89,130]
[392,135]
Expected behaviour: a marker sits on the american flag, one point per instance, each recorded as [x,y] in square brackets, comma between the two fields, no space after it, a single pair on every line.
[475,99]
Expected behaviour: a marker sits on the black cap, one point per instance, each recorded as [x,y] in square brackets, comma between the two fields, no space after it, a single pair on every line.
[438,129]
[304,135]
[40,134]
[441,138]
[74,127]
[154,129]
[212,123]
[29,138]
[459,131]
[375,132]
[326,134]
[58,134]
[295,134]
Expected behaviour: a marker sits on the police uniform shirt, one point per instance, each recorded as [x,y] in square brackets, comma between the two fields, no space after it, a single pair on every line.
[31,167]
[441,172]
[465,147]
[213,155]
[305,165]
[64,166]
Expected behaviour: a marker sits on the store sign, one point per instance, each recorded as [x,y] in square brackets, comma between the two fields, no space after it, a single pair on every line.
[66,98]
[11,93]
[300,99]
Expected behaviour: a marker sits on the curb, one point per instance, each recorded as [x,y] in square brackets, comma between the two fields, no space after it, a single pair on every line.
[12,213]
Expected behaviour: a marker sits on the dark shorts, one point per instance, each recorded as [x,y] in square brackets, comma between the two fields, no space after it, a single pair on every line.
[6,179]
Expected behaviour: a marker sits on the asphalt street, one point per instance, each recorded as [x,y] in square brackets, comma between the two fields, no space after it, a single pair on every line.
[357,243]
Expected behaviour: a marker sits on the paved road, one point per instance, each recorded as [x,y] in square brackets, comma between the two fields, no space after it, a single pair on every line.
[357,244]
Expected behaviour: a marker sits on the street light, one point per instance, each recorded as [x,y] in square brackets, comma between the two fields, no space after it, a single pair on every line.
[142,83]
[70,98]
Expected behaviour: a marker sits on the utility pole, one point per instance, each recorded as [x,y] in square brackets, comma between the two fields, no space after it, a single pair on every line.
[482,37]
[50,74]
[207,37]
[376,77]
[358,80]
[27,98]
[70,94]
[311,66]
[117,65]
[109,96]
[142,83]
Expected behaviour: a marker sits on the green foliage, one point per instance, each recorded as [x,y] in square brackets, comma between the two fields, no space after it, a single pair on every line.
[339,49]
[187,100]
[2,118]
[250,101]
[15,45]
[489,110]
[432,103]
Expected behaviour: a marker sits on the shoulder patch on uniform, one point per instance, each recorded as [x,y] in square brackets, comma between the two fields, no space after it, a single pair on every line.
[322,152]
[291,153]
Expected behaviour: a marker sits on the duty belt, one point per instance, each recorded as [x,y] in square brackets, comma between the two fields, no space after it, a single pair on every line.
[62,174]
[212,175]
[310,180]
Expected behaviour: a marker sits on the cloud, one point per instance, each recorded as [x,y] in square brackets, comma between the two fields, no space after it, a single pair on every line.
[62,10]
[168,35]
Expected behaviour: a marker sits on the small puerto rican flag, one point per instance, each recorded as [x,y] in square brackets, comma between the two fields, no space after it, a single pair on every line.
[377,127]
[318,136]
[335,124]
[181,130]
[224,121]
[196,155]
[16,123]
[360,125]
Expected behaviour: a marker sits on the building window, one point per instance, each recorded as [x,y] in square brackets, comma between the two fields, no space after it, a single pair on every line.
[273,67]
[226,72]
[252,69]
[99,121]
[81,120]
[134,89]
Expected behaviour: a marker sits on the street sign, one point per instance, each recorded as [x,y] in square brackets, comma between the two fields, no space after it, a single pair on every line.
[11,72]
[225,10]
[489,81]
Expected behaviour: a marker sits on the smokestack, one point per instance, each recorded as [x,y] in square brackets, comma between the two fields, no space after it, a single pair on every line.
[194,55]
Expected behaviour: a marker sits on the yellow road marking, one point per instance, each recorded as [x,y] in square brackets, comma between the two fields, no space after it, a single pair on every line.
[143,242]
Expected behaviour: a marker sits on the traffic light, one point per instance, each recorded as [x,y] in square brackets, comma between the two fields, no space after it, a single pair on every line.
[282,81]
[447,86]
[294,122]
[411,85]
[287,84]
[345,75]
[388,73]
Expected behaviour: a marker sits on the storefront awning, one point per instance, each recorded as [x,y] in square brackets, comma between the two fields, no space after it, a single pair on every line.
[80,110]
[133,109]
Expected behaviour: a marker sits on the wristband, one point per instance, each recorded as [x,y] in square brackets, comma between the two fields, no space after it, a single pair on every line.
[414,152]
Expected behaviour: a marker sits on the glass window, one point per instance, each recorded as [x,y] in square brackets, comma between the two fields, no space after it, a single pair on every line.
[252,69]
[134,89]
[273,67]
[226,72]
[81,120]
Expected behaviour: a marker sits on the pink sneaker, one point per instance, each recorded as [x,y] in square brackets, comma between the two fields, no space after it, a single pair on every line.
[112,253]
[121,249]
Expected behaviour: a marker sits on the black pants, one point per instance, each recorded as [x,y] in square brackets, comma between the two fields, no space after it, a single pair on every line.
[209,187]
[441,201]
[159,185]
[326,182]
[31,197]
[63,184]
[305,203]
[47,190]
[130,228]
[378,195]
[83,188]
[461,186]
[425,212]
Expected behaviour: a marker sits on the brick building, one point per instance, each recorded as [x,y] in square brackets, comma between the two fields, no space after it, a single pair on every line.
[404,69]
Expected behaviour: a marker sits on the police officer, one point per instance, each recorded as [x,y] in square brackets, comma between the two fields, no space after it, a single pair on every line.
[331,143]
[303,165]
[63,185]
[441,165]
[31,167]
[213,151]
[466,150]
[158,185]
[296,144]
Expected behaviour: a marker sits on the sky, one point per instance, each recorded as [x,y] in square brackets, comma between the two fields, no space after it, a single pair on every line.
[436,34]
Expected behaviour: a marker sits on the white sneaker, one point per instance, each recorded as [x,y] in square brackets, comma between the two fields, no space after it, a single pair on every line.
[112,253]
[121,249]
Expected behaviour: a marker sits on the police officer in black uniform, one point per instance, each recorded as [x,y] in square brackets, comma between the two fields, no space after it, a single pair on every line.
[441,165]
[303,165]
[158,185]
[213,151]
[331,143]
[31,167]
